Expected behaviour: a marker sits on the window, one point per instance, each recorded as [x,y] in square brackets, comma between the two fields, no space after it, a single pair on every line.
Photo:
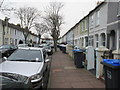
[97,40]
[97,18]
[15,32]
[86,41]
[6,40]
[86,25]
[91,41]
[91,21]
[82,42]
[15,41]
[10,40]
[11,31]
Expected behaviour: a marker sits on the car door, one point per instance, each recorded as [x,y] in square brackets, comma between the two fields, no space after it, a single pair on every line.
[46,62]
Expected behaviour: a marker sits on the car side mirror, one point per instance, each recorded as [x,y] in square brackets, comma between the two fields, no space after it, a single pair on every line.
[4,58]
[47,60]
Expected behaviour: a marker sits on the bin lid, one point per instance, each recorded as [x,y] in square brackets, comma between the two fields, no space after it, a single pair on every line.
[77,50]
[113,62]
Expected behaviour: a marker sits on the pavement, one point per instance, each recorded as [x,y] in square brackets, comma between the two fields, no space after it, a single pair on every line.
[64,74]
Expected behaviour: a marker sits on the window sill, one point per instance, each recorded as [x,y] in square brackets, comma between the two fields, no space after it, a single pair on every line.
[97,25]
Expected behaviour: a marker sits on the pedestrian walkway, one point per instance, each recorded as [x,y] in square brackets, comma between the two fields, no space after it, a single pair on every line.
[65,75]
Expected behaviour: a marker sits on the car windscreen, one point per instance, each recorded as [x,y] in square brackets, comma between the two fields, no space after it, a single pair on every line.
[26,55]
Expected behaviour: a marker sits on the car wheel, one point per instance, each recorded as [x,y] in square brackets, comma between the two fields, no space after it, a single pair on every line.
[44,84]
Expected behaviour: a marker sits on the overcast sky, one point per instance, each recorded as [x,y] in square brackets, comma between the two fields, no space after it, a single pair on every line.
[73,10]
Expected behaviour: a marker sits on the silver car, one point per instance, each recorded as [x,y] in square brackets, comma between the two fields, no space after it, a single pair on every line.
[28,62]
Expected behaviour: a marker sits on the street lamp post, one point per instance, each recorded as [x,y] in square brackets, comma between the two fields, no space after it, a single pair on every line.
[73,40]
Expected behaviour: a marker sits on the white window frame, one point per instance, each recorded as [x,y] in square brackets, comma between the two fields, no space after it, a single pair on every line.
[98,18]
[91,21]
[15,31]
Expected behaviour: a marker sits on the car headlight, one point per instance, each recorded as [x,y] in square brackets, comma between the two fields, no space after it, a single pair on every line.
[36,78]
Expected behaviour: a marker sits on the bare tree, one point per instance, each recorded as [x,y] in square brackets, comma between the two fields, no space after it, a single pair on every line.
[6,8]
[27,17]
[41,29]
[1,3]
[54,20]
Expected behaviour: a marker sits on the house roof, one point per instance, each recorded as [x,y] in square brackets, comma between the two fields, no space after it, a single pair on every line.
[16,27]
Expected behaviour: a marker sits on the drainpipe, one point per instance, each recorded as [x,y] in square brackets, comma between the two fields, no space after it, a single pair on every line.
[88,31]
[73,40]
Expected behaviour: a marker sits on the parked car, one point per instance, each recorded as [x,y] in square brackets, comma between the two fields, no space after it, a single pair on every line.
[31,63]
[47,47]
[14,81]
[22,45]
[7,50]
[52,45]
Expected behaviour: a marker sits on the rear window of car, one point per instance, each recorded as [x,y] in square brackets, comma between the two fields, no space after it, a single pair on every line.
[29,55]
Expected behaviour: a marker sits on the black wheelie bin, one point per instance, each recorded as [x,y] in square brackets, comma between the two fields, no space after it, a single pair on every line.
[78,58]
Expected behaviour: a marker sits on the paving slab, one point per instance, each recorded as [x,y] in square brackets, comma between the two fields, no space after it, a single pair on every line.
[64,74]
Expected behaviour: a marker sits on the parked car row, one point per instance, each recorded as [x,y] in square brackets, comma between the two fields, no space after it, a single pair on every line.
[47,47]
[7,50]
[26,68]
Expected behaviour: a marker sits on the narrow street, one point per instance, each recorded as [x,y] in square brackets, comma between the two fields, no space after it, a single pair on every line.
[65,75]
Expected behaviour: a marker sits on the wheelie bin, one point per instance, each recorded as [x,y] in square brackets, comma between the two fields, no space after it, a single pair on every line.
[112,73]
[78,58]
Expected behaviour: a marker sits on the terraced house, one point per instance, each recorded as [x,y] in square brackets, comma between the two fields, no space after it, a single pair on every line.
[76,31]
[113,28]
[83,32]
[101,30]
[13,34]
[98,25]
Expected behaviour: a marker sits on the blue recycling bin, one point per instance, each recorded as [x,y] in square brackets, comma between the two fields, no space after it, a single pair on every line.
[112,73]
[78,58]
